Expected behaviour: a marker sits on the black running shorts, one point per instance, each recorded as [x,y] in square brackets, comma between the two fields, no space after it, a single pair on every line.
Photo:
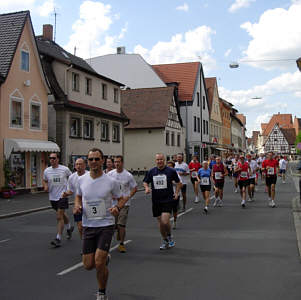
[271,180]
[62,203]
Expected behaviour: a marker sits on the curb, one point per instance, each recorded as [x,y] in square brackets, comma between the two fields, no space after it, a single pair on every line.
[297,221]
[33,210]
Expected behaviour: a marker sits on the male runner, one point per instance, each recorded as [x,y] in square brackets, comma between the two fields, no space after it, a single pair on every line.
[260,160]
[80,167]
[109,165]
[94,198]
[282,167]
[212,161]
[235,161]
[194,166]
[219,171]
[128,187]
[243,171]
[164,199]
[252,177]
[270,167]
[55,180]
[183,171]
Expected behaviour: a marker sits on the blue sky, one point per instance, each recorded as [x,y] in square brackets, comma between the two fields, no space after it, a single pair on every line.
[255,33]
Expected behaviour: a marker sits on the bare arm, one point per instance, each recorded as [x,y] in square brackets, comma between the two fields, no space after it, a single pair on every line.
[146,187]
[45,185]
[78,204]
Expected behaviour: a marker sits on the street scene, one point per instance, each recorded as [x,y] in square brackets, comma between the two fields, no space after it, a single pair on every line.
[150,150]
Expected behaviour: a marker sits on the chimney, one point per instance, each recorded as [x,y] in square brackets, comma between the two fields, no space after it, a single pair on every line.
[48,32]
[120,50]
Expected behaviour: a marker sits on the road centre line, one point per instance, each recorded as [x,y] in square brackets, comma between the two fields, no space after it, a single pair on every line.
[3,241]
[79,265]
[183,213]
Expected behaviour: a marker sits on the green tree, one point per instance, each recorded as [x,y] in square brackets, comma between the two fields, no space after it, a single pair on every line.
[298,140]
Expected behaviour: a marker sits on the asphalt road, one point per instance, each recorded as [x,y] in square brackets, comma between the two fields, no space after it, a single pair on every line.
[230,254]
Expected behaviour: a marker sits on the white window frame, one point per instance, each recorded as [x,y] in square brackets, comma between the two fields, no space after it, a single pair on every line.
[73,74]
[116,95]
[25,49]
[16,99]
[104,91]
[36,103]
[91,128]
[79,125]
[88,87]
[107,138]
[117,125]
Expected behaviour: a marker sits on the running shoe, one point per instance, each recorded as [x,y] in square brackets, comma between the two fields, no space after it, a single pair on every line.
[165,245]
[171,242]
[121,248]
[243,203]
[250,200]
[206,210]
[236,190]
[69,232]
[220,203]
[215,202]
[272,203]
[196,200]
[100,296]
[56,243]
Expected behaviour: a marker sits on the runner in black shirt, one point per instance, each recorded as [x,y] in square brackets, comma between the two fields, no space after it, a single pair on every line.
[164,199]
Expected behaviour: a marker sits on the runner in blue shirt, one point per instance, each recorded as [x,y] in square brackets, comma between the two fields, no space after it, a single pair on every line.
[203,179]
[164,199]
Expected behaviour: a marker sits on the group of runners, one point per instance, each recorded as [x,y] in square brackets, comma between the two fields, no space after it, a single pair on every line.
[102,197]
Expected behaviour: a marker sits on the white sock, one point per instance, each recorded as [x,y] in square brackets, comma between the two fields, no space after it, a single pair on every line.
[58,236]
[68,226]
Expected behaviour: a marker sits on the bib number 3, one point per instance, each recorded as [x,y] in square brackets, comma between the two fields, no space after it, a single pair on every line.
[96,210]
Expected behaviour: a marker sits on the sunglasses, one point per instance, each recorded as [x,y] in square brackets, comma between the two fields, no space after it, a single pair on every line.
[94,158]
[51,157]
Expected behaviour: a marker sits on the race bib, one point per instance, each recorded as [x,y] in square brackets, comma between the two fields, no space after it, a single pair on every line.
[218,175]
[96,209]
[205,181]
[194,174]
[160,182]
[244,174]
[57,180]
[271,171]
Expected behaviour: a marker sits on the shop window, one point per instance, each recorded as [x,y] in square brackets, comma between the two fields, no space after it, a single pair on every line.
[105,131]
[17,167]
[88,86]
[16,112]
[75,82]
[104,89]
[35,116]
[75,128]
[116,133]
[88,129]
[116,95]
[25,60]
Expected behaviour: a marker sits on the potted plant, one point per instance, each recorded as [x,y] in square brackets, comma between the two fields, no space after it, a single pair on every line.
[7,189]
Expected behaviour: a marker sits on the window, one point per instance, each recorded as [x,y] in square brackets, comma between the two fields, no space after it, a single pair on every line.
[275,132]
[104,89]
[194,124]
[204,126]
[116,96]
[178,140]
[199,124]
[204,105]
[75,82]
[105,136]
[198,95]
[172,139]
[16,112]
[88,129]
[88,86]
[275,140]
[75,129]
[24,60]
[283,148]
[167,138]
[116,133]
[35,116]
[207,127]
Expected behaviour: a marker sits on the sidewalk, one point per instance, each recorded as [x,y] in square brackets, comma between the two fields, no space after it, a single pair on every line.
[28,203]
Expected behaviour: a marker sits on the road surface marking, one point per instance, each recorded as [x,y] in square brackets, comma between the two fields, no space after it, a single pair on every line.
[3,241]
[183,213]
[79,265]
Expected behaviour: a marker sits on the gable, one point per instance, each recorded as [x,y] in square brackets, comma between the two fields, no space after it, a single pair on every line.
[173,117]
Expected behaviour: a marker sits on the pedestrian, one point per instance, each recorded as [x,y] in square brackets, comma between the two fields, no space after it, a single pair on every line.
[80,167]
[164,199]
[94,199]
[194,166]
[183,171]
[55,180]
[203,179]
[282,167]
[128,187]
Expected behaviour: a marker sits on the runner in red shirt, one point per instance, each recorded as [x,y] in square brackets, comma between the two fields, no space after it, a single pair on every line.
[219,171]
[270,167]
[194,166]
[243,170]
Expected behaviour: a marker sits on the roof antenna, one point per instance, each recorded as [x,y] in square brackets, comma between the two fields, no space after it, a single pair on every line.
[55,16]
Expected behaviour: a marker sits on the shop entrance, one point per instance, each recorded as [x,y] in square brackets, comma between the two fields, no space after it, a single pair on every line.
[35,168]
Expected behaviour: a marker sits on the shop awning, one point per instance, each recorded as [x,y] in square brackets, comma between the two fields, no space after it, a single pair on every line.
[26,145]
[221,149]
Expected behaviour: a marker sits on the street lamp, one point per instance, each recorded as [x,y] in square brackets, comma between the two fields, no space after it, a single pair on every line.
[298,61]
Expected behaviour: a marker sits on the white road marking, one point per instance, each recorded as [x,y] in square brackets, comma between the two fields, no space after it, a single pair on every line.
[79,265]
[183,213]
[3,241]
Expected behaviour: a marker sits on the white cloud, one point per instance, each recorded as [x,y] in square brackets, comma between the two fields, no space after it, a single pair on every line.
[16,5]
[277,35]
[90,31]
[191,46]
[228,52]
[183,7]
[46,8]
[238,4]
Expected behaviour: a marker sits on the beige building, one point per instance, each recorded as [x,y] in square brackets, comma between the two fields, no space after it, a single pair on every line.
[23,104]
[85,111]
[155,126]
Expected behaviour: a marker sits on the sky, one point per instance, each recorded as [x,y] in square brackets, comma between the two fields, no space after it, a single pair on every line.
[262,36]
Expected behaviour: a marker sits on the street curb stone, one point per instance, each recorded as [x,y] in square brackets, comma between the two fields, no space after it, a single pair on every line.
[297,221]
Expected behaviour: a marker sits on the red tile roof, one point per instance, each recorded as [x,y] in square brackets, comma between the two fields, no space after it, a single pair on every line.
[283,120]
[242,118]
[290,135]
[263,126]
[148,107]
[185,74]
